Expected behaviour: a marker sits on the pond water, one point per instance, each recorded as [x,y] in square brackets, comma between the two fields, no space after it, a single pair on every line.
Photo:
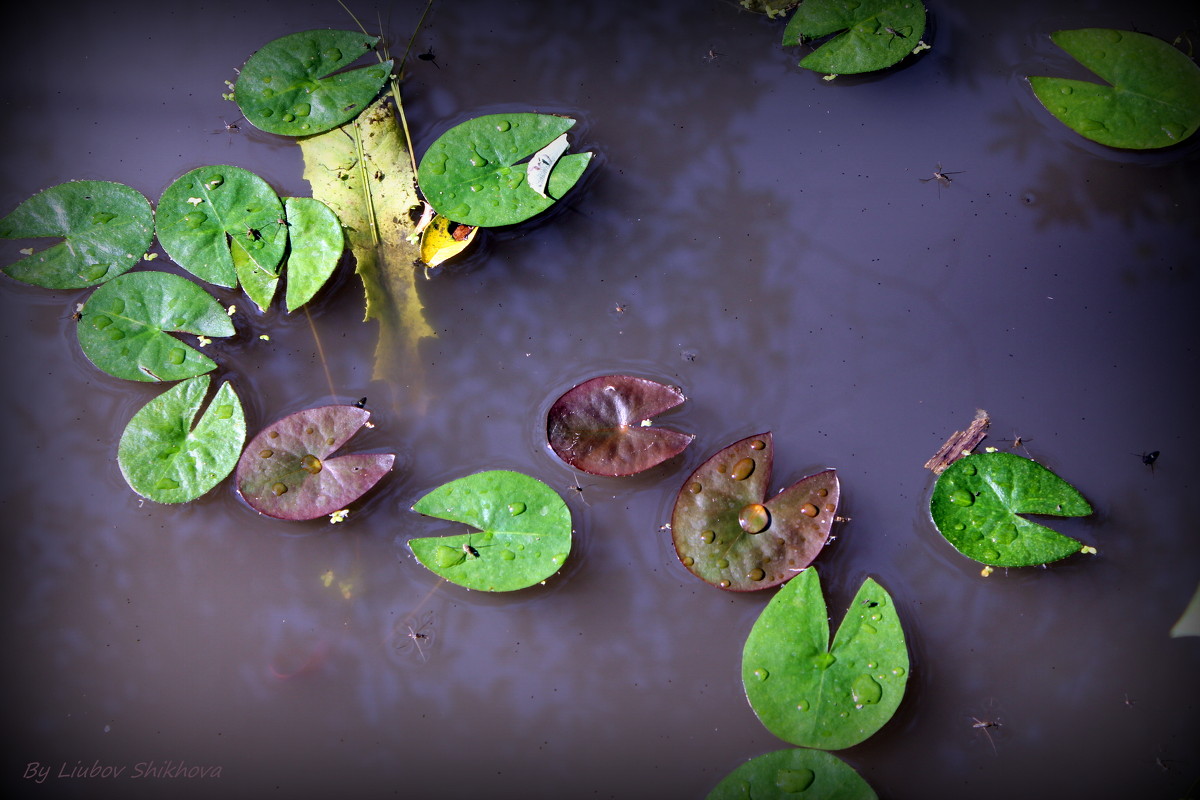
[753,234]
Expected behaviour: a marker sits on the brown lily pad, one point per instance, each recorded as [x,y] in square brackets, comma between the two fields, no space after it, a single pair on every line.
[286,472]
[603,426]
[728,534]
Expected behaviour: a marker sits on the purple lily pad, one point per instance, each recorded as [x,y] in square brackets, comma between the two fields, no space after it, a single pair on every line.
[286,473]
[602,426]
[727,533]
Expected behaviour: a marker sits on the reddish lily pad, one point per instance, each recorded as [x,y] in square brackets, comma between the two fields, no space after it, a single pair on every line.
[728,534]
[286,473]
[602,426]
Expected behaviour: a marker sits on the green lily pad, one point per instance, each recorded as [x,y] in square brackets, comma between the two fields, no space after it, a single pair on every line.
[727,533]
[795,773]
[471,175]
[814,694]
[123,326]
[289,86]
[106,227]
[977,500]
[1188,623]
[317,243]
[602,426]
[221,223]
[524,531]
[871,34]
[286,471]
[1153,96]
[168,459]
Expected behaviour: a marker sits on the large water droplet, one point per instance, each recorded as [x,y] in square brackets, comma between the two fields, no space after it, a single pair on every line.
[507,555]
[824,660]
[742,469]
[756,574]
[802,705]
[265,453]
[865,691]
[695,488]
[757,444]
[707,537]
[794,781]
[516,508]
[754,518]
[722,563]
[809,510]
[278,489]
[1003,534]
[688,561]
[166,484]
[503,125]
[446,556]
[176,356]
[761,674]
[101,217]
[1173,131]
[1088,125]
[961,497]
[311,464]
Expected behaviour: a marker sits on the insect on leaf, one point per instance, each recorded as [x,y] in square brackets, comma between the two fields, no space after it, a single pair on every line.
[106,227]
[291,86]
[123,327]
[602,425]
[977,503]
[221,223]
[815,694]
[317,243]
[442,240]
[168,457]
[727,532]
[286,471]
[524,531]
[471,173]
[869,34]
[798,772]
[1152,96]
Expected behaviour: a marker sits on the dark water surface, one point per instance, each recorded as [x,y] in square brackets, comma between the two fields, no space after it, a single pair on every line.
[776,255]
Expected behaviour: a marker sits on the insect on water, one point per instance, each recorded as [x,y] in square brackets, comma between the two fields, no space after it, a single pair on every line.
[1149,458]
[417,637]
[986,726]
[942,177]
[429,56]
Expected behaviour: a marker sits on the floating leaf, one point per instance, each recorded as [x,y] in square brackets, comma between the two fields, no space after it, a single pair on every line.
[123,326]
[288,87]
[221,223]
[442,240]
[317,243]
[524,538]
[772,8]
[796,773]
[1153,99]
[728,534]
[470,174]
[1188,623]
[286,471]
[372,195]
[167,459]
[811,693]
[602,426]
[976,502]
[106,227]
[874,34]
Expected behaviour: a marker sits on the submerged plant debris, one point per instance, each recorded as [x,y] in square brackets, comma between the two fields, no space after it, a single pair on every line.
[726,531]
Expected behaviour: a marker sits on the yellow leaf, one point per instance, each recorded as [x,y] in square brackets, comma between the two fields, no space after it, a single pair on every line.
[444,239]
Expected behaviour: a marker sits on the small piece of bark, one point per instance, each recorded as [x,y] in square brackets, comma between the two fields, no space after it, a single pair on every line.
[960,444]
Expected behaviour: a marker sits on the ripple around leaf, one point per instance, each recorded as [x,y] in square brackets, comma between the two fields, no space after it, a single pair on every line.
[726,531]
[601,425]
